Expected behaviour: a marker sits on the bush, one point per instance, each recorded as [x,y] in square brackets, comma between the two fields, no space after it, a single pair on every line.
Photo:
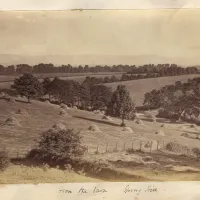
[4,160]
[58,144]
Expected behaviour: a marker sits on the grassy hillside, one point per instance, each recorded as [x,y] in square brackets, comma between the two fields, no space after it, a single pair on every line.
[138,88]
[18,140]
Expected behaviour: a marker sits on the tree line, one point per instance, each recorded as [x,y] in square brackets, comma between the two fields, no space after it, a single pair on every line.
[87,96]
[150,69]
[177,100]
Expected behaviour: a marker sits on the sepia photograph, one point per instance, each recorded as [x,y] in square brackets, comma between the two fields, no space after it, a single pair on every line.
[99,96]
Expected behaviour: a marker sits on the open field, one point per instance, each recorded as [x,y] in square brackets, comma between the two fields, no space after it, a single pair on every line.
[138,88]
[6,80]
[178,163]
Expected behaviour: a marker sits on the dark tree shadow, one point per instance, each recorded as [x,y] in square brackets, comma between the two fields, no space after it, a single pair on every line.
[97,121]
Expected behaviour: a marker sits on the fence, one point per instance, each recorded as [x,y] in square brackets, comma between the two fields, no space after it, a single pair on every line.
[139,145]
[131,146]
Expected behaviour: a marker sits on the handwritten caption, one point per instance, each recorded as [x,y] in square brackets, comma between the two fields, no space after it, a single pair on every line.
[97,190]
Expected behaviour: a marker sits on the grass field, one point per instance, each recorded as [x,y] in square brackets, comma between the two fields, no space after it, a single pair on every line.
[157,165]
[138,88]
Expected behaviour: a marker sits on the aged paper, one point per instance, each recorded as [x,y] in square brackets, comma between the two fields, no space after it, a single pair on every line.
[96,4]
[93,97]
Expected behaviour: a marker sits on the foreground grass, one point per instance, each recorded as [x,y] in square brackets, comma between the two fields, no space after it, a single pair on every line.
[16,174]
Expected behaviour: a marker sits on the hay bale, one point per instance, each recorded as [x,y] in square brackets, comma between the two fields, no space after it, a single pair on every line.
[97,112]
[139,121]
[160,132]
[47,102]
[63,106]
[2,95]
[75,107]
[127,129]
[59,126]
[107,118]
[21,112]
[11,99]
[94,127]
[63,112]
[151,117]
[11,121]
[185,135]
[163,126]
[193,126]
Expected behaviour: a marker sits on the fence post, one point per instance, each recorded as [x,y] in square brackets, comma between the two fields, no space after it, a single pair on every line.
[97,149]
[124,146]
[157,144]
[151,146]
[116,147]
[132,146]
[106,147]
[140,145]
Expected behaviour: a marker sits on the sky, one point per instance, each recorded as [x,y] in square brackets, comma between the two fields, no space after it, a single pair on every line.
[100,37]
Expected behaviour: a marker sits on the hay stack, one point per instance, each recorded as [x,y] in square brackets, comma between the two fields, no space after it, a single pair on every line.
[127,129]
[75,107]
[59,126]
[47,102]
[94,127]
[163,126]
[107,118]
[184,135]
[97,112]
[21,112]
[139,121]
[193,126]
[2,95]
[12,121]
[63,113]
[11,99]
[160,132]
[63,106]
[151,117]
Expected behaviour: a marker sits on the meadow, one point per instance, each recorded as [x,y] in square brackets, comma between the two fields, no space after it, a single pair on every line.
[166,160]
[138,88]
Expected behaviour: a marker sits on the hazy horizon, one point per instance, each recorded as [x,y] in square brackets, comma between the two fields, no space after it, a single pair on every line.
[100,37]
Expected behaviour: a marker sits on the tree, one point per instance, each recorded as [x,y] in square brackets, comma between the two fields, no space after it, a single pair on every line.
[100,96]
[57,89]
[121,104]
[27,85]
[84,95]
[46,85]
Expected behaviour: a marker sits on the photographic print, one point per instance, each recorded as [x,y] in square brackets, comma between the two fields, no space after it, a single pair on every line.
[99,96]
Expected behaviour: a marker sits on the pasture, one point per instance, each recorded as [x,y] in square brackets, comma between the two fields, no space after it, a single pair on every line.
[158,163]
[138,88]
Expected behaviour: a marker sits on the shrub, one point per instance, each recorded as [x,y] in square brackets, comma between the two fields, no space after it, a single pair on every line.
[4,160]
[54,144]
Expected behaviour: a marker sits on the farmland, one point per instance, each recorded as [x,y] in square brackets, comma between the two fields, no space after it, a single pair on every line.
[6,81]
[138,88]
[19,140]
